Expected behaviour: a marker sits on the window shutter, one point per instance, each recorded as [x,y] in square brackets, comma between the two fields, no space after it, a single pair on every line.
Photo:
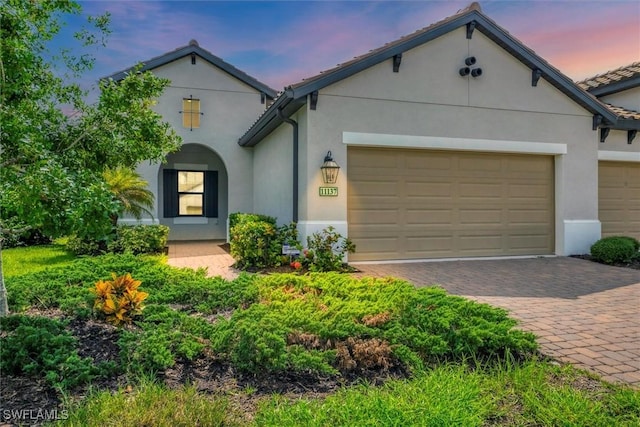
[211,194]
[170,185]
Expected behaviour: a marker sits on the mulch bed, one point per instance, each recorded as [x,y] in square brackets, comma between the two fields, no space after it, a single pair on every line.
[634,263]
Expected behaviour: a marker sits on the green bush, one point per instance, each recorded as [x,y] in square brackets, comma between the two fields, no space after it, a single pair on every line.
[165,336]
[615,249]
[16,233]
[256,240]
[140,239]
[335,323]
[38,346]
[137,239]
[84,246]
[238,217]
[326,251]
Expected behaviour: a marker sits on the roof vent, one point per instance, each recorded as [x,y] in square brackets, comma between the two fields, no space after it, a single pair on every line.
[193,42]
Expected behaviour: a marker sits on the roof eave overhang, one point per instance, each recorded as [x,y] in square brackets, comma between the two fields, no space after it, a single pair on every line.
[549,73]
[486,26]
[626,124]
[270,120]
[616,87]
[207,56]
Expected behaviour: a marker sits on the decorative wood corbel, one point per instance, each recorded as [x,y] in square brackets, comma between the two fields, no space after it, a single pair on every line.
[397,59]
[470,27]
[536,73]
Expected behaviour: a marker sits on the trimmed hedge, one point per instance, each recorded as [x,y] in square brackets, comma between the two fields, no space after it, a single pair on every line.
[615,249]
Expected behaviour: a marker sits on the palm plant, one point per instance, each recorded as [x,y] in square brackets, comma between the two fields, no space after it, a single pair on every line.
[130,190]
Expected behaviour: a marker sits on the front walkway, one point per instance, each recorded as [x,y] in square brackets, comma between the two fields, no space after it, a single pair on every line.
[207,254]
[584,313]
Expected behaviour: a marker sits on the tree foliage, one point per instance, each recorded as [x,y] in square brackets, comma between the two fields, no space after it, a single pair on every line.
[54,146]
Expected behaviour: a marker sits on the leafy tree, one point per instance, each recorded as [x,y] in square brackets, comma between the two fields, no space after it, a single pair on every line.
[130,190]
[53,145]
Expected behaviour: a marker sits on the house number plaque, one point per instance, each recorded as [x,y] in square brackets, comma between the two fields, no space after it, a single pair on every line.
[328,191]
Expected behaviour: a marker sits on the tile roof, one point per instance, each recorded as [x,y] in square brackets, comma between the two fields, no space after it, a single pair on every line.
[473,6]
[613,76]
[194,48]
[294,96]
[624,113]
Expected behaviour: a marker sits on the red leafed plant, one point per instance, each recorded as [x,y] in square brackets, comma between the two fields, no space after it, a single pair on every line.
[119,299]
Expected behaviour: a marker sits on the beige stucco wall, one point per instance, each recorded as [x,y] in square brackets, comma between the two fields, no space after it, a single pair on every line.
[617,140]
[229,107]
[429,98]
[273,176]
[629,99]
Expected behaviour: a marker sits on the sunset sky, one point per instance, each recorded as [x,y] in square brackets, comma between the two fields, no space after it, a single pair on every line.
[282,42]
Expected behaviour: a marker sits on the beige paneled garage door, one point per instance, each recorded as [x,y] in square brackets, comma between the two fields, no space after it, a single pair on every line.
[411,204]
[619,198]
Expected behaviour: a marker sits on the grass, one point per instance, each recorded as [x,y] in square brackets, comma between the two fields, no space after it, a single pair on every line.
[534,393]
[31,259]
[151,404]
[506,394]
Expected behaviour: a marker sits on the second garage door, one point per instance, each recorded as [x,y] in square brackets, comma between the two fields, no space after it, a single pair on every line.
[619,198]
[413,204]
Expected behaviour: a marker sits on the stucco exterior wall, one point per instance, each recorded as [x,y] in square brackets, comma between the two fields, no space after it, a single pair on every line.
[429,98]
[616,141]
[273,176]
[629,99]
[229,106]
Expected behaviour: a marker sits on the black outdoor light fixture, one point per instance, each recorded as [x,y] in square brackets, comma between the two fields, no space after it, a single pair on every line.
[466,70]
[329,169]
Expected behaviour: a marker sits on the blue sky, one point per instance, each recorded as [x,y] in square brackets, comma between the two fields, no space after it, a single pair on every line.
[282,42]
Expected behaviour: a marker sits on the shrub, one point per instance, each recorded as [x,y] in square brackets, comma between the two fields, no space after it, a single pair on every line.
[333,323]
[119,299]
[38,346]
[238,217]
[165,336]
[84,246]
[137,239]
[326,250]
[256,240]
[615,249]
[16,233]
[140,239]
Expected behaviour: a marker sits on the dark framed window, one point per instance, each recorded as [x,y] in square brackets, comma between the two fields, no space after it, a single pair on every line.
[190,193]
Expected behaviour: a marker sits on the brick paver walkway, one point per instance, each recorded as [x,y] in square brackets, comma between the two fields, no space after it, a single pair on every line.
[584,313]
[203,254]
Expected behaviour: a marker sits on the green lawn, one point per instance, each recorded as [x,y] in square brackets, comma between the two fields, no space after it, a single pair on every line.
[23,260]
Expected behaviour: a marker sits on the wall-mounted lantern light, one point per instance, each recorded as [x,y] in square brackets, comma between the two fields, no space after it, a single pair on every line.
[329,169]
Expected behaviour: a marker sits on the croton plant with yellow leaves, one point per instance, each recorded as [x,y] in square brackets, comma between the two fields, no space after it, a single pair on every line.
[119,299]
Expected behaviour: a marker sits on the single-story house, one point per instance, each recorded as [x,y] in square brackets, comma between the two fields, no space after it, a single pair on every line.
[454,141]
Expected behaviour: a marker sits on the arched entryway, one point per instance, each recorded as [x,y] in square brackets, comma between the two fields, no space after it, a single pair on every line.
[193,194]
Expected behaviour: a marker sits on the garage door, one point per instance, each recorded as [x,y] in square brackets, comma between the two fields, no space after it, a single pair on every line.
[619,198]
[412,204]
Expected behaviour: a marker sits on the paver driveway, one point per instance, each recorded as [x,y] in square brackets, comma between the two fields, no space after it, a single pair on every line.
[584,313]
